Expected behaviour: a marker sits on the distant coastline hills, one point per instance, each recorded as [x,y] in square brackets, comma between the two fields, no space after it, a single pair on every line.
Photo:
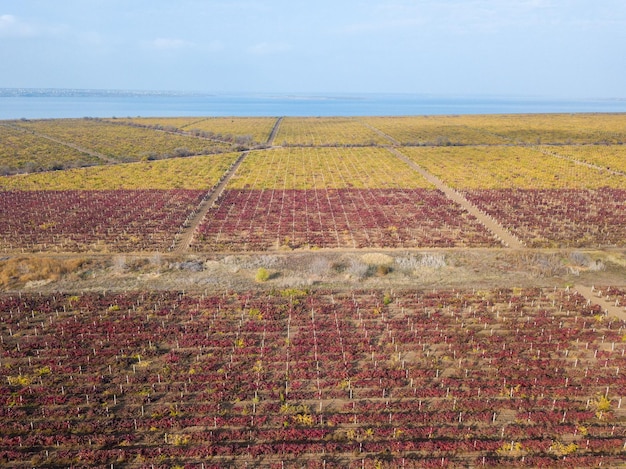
[87,93]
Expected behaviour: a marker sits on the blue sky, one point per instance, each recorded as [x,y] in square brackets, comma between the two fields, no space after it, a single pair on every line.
[545,48]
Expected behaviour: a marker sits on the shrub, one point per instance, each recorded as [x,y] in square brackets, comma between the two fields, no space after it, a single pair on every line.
[262,275]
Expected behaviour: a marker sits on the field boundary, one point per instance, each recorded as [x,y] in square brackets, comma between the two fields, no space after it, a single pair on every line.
[274,132]
[183,239]
[500,232]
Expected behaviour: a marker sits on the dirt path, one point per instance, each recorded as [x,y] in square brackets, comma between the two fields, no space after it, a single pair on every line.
[606,305]
[501,233]
[383,134]
[184,239]
[100,156]
[274,132]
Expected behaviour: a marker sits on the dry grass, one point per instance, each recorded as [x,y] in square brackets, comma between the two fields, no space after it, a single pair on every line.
[20,270]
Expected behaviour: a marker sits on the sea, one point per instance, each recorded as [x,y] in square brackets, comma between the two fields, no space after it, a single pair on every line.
[44,104]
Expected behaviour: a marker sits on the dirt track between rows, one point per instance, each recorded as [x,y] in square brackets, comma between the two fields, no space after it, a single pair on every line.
[501,233]
[186,236]
[609,307]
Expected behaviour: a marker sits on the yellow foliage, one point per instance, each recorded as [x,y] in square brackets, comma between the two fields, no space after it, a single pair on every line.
[603,404]
[19,380]
[512,447]
[262,275]
[303,419]
[197,172]
[43,370]
[293,293]
[560,449]
[325,168]
[291,409]
[344,384]
[255,313]
[179,440]
[474,167]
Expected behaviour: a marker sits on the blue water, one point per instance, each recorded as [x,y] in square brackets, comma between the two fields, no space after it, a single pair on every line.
[288,105]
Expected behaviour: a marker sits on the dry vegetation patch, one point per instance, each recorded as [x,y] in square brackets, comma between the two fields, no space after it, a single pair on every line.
[17,271]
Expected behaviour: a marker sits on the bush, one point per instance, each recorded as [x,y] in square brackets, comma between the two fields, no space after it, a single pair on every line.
[262,275]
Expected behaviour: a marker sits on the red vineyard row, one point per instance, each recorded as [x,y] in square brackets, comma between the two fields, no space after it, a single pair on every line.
[558,217]
[116,220]
[140,220]
[331,218]
[516,378]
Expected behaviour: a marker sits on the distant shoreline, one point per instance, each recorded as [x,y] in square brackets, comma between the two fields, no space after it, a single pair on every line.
[87,93]
[44,103]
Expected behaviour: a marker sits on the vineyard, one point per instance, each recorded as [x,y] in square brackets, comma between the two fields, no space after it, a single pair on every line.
[292,378]
[194,172]
[519,129]
[334,198]
[79,221]
[121,143]
[559,218]
[256,129]
[332,182]
[21,151]
[435,131]
[612,157]
[507,167]
[327,131]
[367,292]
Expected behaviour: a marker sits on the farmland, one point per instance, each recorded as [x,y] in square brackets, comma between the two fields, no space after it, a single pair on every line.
[24,152]
[367,292]
[255,129]
[519,129]
[119,143]
[329,131]
[194,172]
[325,379]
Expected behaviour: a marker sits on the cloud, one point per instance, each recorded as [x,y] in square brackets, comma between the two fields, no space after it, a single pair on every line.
[11,26]
[269,48]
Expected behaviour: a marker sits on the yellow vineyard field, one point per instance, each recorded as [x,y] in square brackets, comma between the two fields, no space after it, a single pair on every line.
[606,156]
[318,168]
[119,141]
[500,167]
[163,122]
[324,131]
[556,128]
[21,151]
[257,129]
[504,129]
[197,172]
[434,130]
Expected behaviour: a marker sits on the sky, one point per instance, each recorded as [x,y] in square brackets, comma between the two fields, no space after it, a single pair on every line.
[543,48]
